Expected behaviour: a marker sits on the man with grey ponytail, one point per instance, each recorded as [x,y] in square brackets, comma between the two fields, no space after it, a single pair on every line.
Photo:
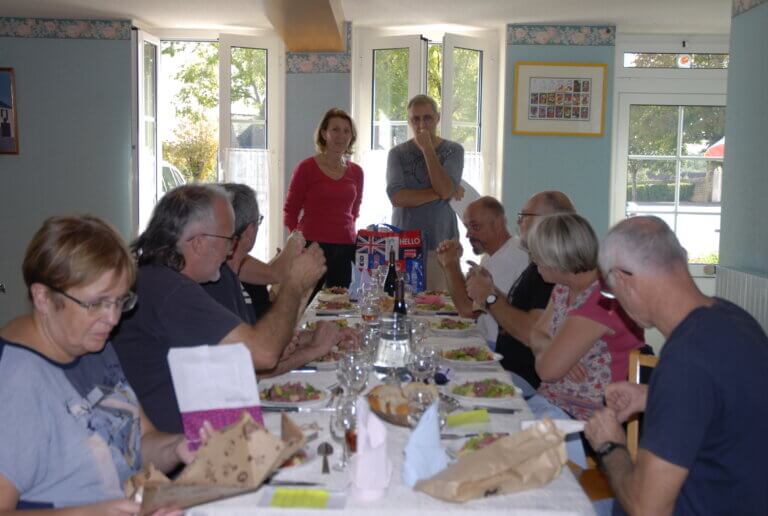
[702,450]
[189,238]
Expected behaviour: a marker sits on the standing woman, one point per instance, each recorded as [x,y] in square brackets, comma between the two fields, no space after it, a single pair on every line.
[324,196]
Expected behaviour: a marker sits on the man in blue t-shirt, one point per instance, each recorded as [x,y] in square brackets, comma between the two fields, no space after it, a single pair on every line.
[702,449]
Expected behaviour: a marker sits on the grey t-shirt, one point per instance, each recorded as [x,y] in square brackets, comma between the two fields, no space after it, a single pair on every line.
[70,433]
[406,168]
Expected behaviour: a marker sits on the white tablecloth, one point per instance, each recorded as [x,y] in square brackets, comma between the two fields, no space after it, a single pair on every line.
[563,496]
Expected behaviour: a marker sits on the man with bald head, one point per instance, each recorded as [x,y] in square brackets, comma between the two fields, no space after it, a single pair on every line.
[502,256]
[703,445]
[518,309]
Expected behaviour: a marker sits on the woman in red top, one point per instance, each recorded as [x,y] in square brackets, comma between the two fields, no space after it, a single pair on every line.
[324,196]
[582,340]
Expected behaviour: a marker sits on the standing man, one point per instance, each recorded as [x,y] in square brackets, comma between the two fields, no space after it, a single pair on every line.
[423,174]
[501,253]
[518,310]
[703,446]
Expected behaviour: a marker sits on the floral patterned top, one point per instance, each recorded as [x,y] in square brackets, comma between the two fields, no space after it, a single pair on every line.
[605,359]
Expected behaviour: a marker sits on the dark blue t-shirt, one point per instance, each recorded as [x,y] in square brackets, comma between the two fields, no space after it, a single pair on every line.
[172,311]
[707,411]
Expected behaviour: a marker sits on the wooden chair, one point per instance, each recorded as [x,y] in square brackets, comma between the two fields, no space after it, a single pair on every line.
[637,363]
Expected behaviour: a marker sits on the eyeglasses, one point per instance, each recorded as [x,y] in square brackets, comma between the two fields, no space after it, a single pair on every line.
[122,304]
[232,239]
[605,290]
[259,220]
[521,215]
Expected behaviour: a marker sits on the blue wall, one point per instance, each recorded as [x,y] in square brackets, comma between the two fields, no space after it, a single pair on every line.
[744,232]
[74,115]
[578,166]
[307,97]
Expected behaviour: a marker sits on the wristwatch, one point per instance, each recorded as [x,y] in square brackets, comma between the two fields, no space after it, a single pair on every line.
[604,450]
[490,300]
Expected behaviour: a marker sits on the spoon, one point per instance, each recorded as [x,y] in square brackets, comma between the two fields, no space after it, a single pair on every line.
[325,449]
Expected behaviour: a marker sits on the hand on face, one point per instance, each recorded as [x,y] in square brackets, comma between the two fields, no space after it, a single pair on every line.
[626,399]
[479,284]
[604,426]
[423,140]
[449,252]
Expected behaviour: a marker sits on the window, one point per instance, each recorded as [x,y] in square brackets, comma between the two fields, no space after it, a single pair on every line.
[217,121]
[675,171]
[459,72]
[670,138]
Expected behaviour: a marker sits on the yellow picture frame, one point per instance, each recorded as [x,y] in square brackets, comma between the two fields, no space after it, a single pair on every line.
[559,98]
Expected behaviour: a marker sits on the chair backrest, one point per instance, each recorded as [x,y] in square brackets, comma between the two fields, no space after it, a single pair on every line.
[640,366]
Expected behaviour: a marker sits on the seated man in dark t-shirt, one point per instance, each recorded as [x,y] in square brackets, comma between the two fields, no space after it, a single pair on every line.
[519,309]
[703,446]
[187,240]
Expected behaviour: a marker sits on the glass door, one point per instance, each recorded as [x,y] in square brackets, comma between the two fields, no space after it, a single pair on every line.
[248,129]
[148,178]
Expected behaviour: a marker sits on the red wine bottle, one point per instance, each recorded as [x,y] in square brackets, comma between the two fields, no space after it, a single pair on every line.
[390,283]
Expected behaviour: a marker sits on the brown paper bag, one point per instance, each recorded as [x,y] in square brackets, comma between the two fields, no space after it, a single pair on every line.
[236,460]
[524,460]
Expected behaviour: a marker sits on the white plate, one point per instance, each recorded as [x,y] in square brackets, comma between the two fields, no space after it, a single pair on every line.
[475,400]
[468,363]
[328,365]
[309,403]
[446,310]
[445,332]
[324,296]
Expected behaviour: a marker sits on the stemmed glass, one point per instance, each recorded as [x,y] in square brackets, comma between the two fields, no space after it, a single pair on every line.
[343,423]
[370,306]
[422,362]
[352,372]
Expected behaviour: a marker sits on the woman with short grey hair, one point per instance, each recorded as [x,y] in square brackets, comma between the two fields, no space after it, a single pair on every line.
[582,340]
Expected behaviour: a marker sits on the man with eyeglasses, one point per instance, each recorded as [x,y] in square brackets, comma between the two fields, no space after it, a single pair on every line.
[250,298]
[703,449]
[188,239]
[423,174]
[501,253]
[517,310]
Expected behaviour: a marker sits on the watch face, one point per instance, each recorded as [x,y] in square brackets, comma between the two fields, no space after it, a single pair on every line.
[490,299]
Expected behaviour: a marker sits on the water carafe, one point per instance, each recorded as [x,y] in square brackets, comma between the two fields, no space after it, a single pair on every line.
[394,346]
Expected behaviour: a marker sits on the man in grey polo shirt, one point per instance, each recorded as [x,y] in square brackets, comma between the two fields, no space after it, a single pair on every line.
[423,174]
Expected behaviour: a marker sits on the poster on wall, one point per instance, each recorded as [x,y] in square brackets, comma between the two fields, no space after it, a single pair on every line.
[559,99]
[9,132]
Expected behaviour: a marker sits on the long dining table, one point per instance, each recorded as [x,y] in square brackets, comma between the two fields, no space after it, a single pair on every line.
[562,496]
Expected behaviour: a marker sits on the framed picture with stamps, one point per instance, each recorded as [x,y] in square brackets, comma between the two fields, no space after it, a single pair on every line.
[559,99]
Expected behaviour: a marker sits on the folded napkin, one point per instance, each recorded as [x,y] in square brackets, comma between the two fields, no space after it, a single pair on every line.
[429,300]
[370,467]
[424,456]
[360,277]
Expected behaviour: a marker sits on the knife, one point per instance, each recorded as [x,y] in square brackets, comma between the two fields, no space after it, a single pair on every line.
[297,409]
[289,483]
[453,437]
[496,410]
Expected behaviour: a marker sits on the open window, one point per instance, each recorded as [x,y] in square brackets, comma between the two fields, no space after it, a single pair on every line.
[208,110]
[460,72]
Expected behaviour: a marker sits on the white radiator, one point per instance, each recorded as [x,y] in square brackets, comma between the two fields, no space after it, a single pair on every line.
[749,291]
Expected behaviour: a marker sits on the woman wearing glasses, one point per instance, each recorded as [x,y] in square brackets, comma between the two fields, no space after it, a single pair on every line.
[582,340]
[72,430]
[328,189]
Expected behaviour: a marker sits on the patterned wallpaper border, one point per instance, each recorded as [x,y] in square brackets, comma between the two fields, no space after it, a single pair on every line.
[572,35]
[322,62]
[742,6]
[65,29]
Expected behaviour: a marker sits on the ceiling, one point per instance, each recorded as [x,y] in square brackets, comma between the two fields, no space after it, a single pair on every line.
[630,16]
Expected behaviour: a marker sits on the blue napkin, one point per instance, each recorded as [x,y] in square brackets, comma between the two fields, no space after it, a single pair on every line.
[424,456]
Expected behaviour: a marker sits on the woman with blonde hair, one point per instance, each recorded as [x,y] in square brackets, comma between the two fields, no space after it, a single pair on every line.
[72,429]
[324,196]
[582,340]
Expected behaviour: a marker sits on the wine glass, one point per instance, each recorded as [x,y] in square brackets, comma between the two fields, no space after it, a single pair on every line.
[419,329]
[342,426]
[370,308]
[418,402]
[369,342]
[422,362]
[352,372]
